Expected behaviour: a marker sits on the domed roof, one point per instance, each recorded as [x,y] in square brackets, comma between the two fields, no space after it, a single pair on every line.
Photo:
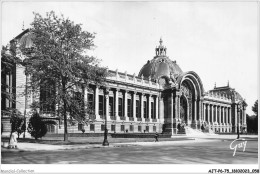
[160,65]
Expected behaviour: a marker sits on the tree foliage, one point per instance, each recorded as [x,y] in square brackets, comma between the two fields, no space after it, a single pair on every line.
[18,124]
[252,124]
[16,120]
[59,65]
[255,108]
[37,127]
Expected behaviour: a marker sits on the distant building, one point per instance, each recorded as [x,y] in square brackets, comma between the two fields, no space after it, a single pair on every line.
[159,99]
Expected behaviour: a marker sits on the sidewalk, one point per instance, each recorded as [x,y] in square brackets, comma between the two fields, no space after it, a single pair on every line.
[22,146]
[46,147]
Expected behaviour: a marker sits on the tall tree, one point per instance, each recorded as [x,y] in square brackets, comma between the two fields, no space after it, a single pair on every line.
[60,67]
[255,108]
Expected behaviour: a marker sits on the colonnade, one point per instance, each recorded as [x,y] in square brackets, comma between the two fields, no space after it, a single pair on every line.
[218,117]
[147,109]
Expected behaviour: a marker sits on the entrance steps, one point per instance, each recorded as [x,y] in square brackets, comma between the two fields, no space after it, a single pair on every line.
[196,132]
[193,132]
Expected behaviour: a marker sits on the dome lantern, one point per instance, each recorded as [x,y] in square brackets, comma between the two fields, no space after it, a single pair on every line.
[160,66]
[160,50]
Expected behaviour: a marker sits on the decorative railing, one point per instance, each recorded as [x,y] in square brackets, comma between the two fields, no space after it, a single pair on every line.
[122,118]
[139,119]
[147,120]
[112,118]
[154,120]
[131,118]
[115,75]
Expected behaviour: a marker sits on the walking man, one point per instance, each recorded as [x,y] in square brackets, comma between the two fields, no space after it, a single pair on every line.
[156,137]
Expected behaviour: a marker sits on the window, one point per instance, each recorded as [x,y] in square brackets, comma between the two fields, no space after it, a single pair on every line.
[122,128]
[129,108]
[152,110]
[145,110]
[120,107]
[47,98]
[111,106]
[113,128]
[147,128]
[91,102]
[139,128]
[50,128]
[78,102]
[131,128]
[92,127]
[154,128]
[137,109]
[101,105]
[6,86]
[102,127]
[80,126]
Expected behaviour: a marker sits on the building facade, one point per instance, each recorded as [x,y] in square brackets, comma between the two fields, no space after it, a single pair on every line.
[159,99]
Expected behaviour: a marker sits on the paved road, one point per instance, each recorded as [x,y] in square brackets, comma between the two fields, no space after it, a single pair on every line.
[180,153]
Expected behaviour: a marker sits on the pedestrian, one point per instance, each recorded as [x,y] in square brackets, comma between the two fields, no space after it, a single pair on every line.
[13,140]
[156,137]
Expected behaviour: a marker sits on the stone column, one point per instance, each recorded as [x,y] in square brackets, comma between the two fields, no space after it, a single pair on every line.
[221,118]
[97,102]
[116,102]
[142,106]
[216,114]
[125,104]
[219,115]
[172,119]
[212,114]
[230,116]
[208,113]
[244,116]
[149,106]
[222,113]
[85,100]
[201,109]
[176,108]
[107,104]
[226,115]
[179,106]
[156,107]
[171,106]
[200,114]
[134,105]
[204,113]
[195,109]
[235,124]
[230,121]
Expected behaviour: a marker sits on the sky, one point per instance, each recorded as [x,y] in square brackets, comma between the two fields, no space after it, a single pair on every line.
[217,40]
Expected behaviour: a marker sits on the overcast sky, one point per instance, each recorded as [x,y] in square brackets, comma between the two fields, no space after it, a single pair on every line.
[217,40]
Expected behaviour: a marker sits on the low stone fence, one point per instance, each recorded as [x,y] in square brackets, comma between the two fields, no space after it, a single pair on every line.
[138,135]
[76,135]
[4,142]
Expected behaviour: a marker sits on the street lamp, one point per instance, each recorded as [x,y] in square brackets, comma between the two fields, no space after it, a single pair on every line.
[105,142]
[238,117]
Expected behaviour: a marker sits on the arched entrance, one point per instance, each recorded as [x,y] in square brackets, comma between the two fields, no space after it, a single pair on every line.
[183,109]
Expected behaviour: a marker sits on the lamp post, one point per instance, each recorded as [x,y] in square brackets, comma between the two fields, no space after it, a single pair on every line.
[105,142]
[238,123]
